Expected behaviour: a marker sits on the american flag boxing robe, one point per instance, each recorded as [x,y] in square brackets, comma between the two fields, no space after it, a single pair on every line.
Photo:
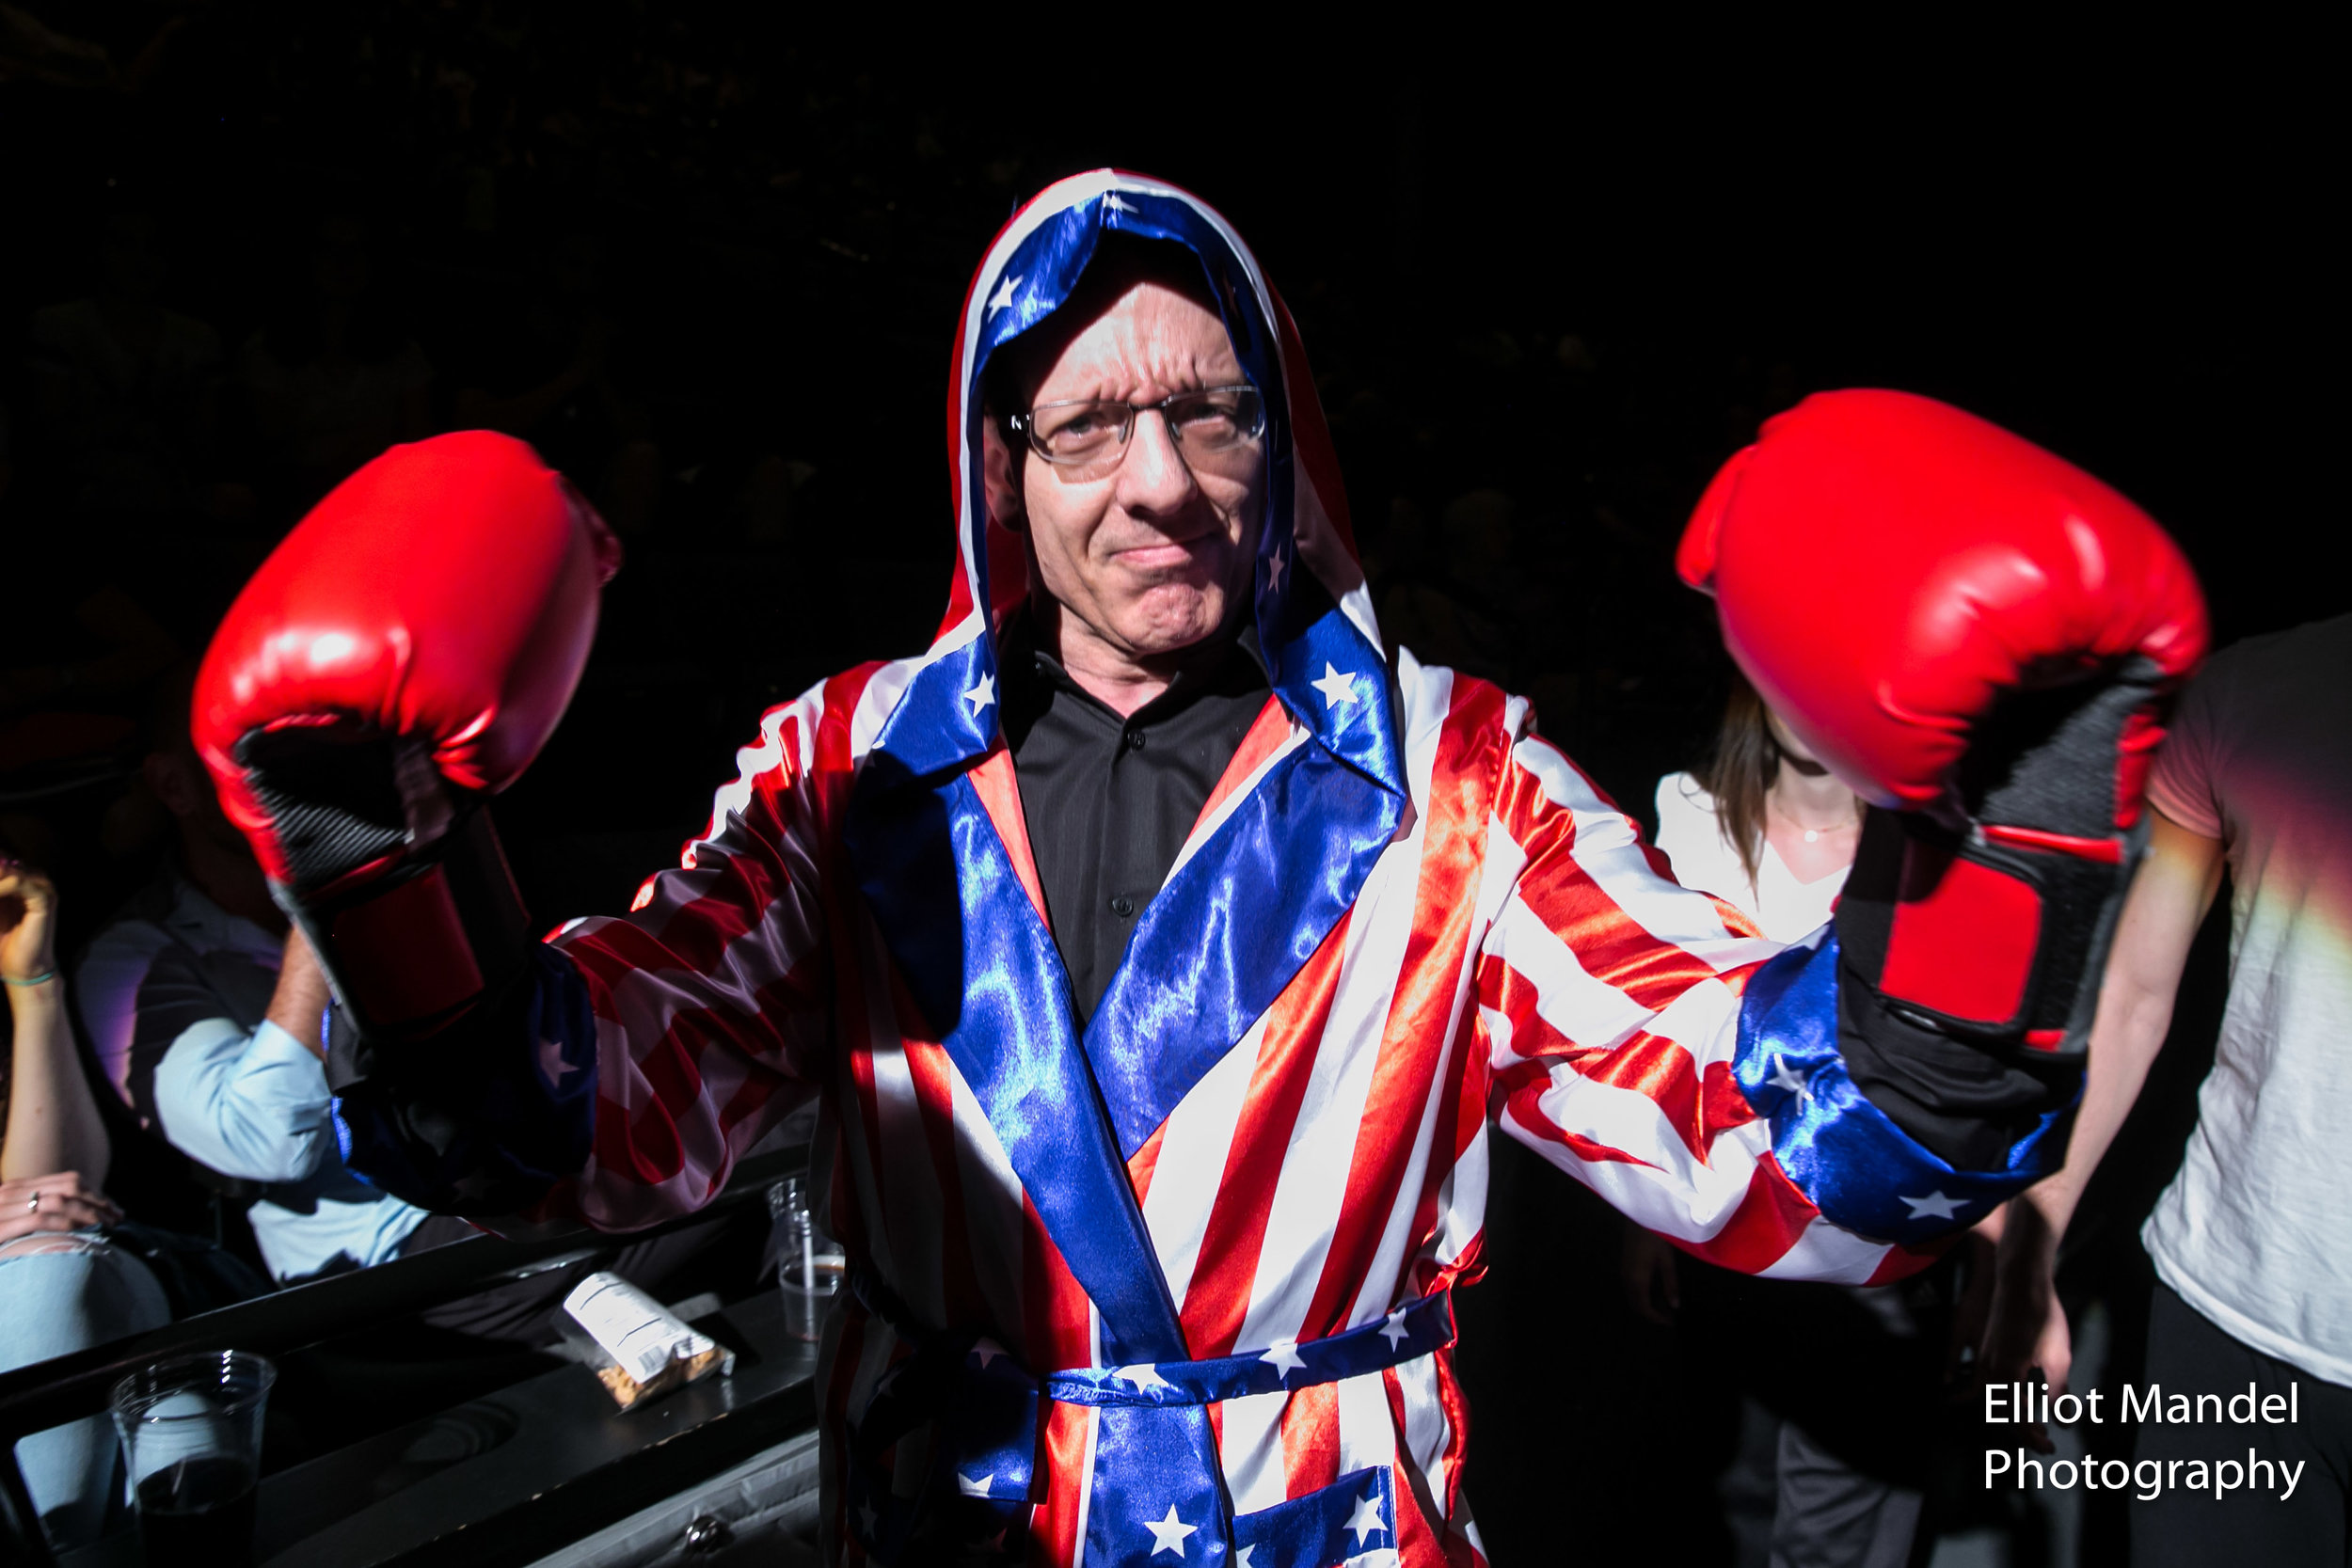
[1173,1288]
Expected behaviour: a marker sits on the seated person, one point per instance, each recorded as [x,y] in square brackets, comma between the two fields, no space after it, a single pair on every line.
[205,1014]
[62,1288]
[213,1037]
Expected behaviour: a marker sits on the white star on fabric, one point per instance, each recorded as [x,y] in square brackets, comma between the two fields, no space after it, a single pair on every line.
[1284,1357]
[1004,295]
[1336,687]
[1116,205]
[988,1351]
[982,693]
[1366,1521]
[1935,1203]
[971,1488]
[1241,1559]
[552,1066]
[1143,1375]
[865,1518]
[1168,1533]
[1785,1078]
[1275,565]
[1394,1331]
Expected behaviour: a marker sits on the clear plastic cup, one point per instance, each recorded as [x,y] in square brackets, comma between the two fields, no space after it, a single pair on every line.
[809,1263]
[191,1430]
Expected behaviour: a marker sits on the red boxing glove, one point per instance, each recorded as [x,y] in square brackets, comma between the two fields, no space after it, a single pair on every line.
[399,659]
[1972,631]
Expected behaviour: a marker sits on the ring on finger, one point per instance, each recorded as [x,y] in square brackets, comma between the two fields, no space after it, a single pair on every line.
[32,1205]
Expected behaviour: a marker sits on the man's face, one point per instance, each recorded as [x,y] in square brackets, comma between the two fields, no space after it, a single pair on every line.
[1151,557]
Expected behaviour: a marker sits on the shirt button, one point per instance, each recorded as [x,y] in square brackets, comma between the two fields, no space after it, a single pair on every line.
[1123,907]
[1134,740]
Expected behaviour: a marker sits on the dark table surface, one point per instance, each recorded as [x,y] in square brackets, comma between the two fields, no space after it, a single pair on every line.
[509,1478]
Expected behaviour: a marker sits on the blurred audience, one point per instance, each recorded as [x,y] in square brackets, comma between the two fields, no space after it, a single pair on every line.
[334,378]
[127,392]
[544,367]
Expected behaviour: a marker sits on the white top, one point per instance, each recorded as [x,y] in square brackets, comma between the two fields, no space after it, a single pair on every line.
[1783,908]
[2252,1232]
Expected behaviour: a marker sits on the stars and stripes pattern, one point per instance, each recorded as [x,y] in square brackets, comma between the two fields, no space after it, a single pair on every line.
[1517,960]
[1507,955]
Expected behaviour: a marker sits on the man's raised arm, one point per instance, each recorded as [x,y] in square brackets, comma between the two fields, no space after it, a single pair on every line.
[1981,640]
[402,658]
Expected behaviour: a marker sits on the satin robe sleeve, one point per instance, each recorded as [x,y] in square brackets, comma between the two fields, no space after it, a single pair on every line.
[1645,1039]
[620,1076]
[712,995]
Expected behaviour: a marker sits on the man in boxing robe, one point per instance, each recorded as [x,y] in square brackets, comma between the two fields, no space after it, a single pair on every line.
[1161,954]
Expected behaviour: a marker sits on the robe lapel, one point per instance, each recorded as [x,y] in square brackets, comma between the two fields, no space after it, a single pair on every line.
[1235,922]
[1233,926]
[976,955]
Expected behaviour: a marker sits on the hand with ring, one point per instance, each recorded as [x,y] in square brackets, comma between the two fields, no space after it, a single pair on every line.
[58,1202]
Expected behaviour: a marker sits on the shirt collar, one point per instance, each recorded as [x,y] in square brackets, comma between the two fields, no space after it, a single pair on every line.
[1232,665]
[206,928]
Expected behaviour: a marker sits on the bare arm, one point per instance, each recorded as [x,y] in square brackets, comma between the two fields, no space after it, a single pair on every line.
[2170,896]
[299,1004]
[53,1122]
[2168,903]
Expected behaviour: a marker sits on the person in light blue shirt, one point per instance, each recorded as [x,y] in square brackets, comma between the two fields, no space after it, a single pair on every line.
[205,1014]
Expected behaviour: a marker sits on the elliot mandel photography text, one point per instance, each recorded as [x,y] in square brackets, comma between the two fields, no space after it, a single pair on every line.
[2010,1404]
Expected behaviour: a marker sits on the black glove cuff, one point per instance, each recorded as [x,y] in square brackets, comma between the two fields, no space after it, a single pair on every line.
[1968,1105]
[1986,937]
[414,950]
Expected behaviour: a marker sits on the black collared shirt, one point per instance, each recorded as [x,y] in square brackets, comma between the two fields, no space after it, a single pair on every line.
[1110,800]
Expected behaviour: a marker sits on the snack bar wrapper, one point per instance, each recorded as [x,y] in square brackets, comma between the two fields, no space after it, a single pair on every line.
[645,1351]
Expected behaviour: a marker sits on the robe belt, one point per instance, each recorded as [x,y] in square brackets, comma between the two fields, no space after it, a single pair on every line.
[983,1411]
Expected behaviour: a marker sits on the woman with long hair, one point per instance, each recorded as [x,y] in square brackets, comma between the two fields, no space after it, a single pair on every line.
[1761,825]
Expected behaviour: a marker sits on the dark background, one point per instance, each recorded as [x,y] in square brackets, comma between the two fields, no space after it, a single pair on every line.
[1548,283]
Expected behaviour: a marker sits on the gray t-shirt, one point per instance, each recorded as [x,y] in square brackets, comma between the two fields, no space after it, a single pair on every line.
[2252,1231]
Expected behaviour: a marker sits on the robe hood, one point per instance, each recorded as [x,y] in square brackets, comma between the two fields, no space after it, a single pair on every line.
[1313,615]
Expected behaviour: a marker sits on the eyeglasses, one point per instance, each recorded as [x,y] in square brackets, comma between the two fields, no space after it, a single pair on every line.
[1089,435]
